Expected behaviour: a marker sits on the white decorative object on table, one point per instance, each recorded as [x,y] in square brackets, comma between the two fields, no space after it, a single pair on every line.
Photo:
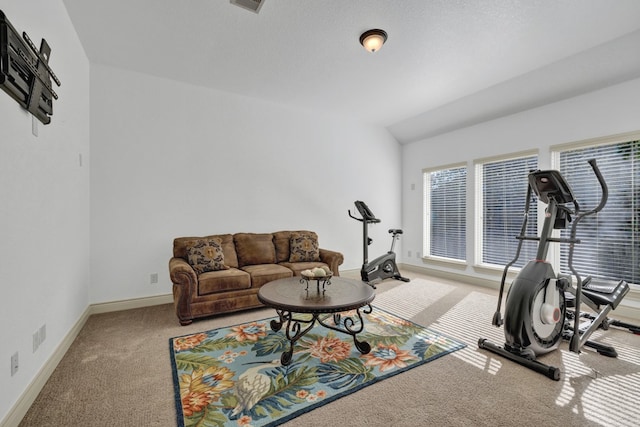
[322,275]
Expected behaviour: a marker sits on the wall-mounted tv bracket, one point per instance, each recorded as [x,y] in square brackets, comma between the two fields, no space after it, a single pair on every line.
[25,73]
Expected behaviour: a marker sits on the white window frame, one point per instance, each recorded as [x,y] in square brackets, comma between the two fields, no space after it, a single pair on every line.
[479,206]
[426,219]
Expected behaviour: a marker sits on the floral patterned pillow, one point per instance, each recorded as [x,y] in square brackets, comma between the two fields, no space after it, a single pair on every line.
[206,255]
[303,247]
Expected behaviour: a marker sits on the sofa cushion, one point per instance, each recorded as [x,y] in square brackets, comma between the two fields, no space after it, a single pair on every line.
[263,273]
[223,281]
[180,245]
[304,247]
[281,240]
[254,249]
[206,255]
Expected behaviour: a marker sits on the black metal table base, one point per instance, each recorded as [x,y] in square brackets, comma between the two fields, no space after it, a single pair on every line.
[296,328]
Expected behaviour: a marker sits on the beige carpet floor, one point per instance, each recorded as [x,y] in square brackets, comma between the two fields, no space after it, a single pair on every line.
[117,372]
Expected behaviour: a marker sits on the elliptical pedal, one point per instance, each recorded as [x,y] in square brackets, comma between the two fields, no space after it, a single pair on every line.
[606,293]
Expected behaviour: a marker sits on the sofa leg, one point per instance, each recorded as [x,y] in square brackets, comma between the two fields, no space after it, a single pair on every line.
[185,322]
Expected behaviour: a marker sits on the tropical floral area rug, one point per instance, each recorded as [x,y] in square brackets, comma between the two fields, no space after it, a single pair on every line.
[233,376]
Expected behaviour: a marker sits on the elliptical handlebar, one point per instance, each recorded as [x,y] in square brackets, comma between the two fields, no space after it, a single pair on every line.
[575,342]
[603,186]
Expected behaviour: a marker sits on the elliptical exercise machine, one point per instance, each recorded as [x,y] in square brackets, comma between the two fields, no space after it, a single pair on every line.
[536,316]
[383,267]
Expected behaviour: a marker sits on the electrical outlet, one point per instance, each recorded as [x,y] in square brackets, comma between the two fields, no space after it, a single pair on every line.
[409,253]
[153,278]
[39,336]
[417,254]
[14,364]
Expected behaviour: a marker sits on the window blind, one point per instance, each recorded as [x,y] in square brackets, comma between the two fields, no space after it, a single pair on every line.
[504,191]
[610,240]
[445,197]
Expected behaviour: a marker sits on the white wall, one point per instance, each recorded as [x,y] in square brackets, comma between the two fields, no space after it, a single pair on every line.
[610,111]
[44,208]
[171,159]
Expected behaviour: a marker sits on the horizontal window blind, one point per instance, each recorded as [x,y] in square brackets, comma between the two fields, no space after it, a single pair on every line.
[610,240]
[504,191]
[445,200]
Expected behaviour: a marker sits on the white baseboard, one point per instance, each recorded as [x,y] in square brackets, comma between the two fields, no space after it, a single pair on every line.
[19,410]
[455,277]
[108,307]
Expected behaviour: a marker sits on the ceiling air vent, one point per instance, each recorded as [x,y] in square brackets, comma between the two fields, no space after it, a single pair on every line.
[252,5]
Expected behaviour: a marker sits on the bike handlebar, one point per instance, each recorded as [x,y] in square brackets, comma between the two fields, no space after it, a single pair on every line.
[355,217]
[371,221]
[365,212]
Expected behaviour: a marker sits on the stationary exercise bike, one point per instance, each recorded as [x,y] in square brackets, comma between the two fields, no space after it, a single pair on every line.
[383,267]
[541,308]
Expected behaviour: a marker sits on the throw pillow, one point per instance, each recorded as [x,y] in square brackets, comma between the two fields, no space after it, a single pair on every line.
[304,248]
[206,255]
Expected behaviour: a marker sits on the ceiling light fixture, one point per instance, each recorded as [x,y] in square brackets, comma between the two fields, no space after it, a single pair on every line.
[372,40]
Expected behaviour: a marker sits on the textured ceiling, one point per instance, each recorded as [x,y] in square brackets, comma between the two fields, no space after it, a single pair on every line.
[446,64]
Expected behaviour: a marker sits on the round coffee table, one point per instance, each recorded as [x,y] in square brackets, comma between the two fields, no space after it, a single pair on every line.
[295,296]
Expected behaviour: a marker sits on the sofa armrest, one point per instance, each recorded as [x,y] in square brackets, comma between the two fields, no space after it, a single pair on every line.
[184,281]
[333,259]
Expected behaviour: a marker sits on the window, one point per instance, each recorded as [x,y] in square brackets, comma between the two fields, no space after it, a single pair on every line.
[501,194]
[445,210]
[610,240]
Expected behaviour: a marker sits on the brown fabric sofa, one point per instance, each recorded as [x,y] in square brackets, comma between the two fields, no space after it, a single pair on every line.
[222,273]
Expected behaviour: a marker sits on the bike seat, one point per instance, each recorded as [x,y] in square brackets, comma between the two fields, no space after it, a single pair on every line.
[395,231]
